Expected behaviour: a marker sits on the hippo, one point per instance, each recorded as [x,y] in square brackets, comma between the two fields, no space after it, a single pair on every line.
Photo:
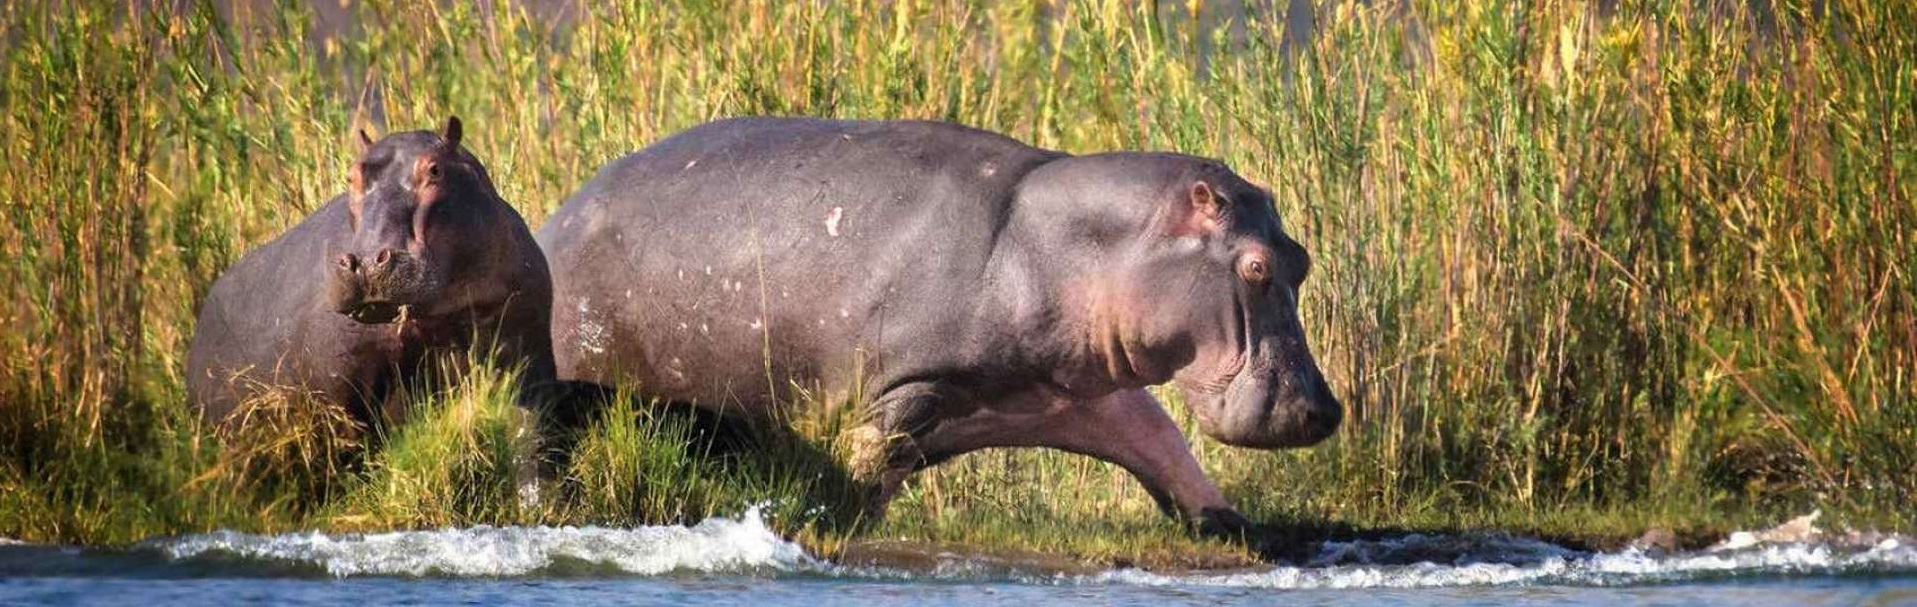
[422,258]
[964,289]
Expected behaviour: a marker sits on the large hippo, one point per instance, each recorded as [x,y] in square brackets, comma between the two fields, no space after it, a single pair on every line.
[420,259]
[971,290]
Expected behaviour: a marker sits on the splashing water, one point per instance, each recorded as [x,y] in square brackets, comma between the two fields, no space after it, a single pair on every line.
[747,546]
[717,545]
[1796,548]
[744,548]
[1528,562]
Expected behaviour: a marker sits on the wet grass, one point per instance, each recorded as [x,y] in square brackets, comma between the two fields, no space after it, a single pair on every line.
[1579,272]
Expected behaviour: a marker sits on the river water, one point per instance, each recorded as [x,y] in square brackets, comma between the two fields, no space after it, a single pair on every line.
[740,561]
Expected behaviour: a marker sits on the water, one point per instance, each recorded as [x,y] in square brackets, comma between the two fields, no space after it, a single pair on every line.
[741,561]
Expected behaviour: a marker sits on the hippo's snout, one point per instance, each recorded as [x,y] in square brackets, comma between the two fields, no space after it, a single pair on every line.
[1271,410]
[373,290]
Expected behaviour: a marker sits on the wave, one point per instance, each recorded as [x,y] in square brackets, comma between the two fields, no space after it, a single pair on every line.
[746,546]
[1537,563]
[717,545]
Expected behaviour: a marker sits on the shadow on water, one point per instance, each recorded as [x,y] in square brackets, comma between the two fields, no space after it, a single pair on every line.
[142,562]
[1303,542]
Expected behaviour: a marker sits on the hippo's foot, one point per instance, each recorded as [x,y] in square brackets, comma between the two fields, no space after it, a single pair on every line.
[1223,523]
[879,462]
[864,452]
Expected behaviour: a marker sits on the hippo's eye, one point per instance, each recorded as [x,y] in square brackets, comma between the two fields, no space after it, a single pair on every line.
[1255,271]
[432,170]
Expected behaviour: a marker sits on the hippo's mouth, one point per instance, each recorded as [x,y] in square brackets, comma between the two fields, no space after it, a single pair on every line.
[375,312]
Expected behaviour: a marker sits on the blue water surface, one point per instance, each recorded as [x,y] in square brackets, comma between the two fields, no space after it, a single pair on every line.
[762,592]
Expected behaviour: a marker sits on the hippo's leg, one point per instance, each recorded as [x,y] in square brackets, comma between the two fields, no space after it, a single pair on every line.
[1129,428]
[555,410]
[520,342]
[550,416]
[886,452]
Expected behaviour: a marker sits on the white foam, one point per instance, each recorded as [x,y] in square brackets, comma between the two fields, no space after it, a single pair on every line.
[1498,560]
[745,545]
[1800,530]
[715,545]
[7,541]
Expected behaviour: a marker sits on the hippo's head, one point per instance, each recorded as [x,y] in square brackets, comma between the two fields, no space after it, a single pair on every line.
[1199,285]
[1253,382]
[423,219]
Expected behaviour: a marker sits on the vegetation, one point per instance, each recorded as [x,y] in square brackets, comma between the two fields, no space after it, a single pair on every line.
[1578,271]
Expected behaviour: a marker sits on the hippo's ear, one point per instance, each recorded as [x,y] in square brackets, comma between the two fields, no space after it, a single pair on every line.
[365,140]
[1205,201]
[1204,211]
[453,132]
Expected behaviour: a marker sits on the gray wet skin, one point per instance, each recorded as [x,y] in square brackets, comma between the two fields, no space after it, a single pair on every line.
[971,290]
[420,258]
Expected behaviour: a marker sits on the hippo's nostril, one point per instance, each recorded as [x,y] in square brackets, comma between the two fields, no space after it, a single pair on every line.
[385,258]
[348,262]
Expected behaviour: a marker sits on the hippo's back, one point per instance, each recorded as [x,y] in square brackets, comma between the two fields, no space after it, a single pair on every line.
[705,174]
[741,257]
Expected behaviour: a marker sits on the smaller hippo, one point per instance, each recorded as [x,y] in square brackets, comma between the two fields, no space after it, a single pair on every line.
[421,259]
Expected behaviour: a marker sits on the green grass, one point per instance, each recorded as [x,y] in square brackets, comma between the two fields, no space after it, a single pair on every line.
[1576,274]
